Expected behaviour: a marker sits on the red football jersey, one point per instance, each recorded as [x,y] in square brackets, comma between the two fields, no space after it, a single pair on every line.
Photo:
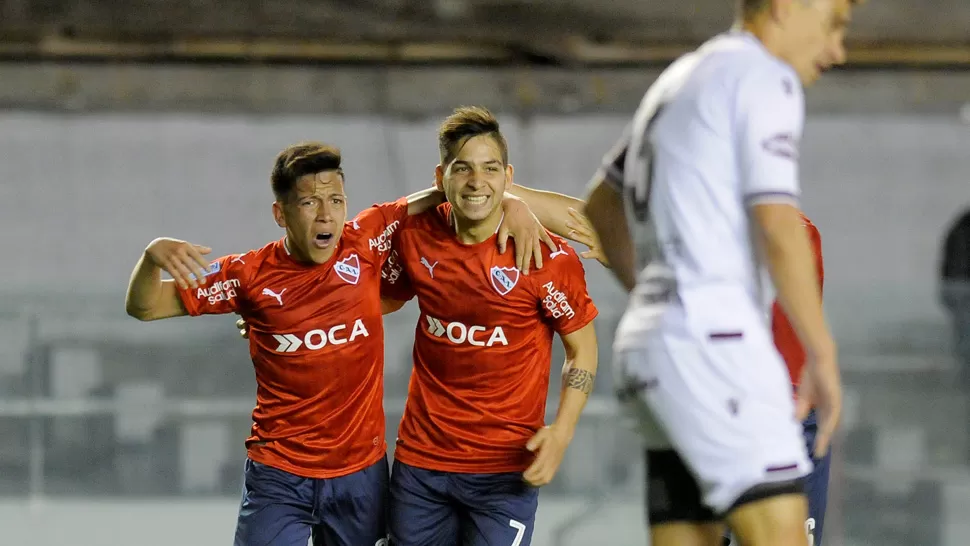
[786,340]
[317,344]
[483,345]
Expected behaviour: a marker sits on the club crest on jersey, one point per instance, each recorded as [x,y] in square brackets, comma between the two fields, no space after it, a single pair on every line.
[503,279]
[348,269]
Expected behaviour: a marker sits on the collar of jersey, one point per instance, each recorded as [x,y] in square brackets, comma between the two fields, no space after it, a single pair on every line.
[286,249]
[451,222]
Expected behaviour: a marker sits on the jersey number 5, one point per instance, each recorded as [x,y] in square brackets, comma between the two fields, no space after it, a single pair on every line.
[638,168]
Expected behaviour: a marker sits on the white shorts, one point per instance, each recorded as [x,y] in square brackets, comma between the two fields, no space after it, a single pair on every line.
[723,401]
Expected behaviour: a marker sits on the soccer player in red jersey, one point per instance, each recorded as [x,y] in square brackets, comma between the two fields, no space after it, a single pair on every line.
[316,461]
[472,448]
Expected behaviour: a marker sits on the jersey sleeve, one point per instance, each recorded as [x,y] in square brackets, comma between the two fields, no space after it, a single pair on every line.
[563,298]
[770,116]
[611,169]
[224,284]
[395,283]
[378,223]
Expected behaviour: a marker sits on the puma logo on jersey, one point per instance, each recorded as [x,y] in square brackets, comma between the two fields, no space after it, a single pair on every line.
[430,266]
[559,252]
[460,334]
[270,293]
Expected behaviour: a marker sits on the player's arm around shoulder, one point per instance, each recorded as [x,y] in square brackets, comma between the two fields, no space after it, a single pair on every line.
[396,288]
[382,215]
[561,214]
[380,223]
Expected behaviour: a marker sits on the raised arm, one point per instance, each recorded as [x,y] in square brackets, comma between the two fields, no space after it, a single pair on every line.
[605,210]
[530,212]
[423,200]
[151,298]
[551,208]
[562,215]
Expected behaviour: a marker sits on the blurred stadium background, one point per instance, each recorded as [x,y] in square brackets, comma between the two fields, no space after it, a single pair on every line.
[123,121]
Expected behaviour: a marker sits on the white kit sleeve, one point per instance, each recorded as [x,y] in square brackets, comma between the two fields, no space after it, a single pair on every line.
[769,119]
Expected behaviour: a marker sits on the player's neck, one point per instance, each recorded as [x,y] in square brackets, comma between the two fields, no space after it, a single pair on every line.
[297,256]
[761,29]
[471,232]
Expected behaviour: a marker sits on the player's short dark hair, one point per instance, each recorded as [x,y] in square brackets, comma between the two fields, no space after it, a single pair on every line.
[465,123]
[299,160]
[753,7]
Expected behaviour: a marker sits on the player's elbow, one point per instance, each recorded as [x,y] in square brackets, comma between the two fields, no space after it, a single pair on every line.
[777,223]
[139,309]
[581,348]
[139,313]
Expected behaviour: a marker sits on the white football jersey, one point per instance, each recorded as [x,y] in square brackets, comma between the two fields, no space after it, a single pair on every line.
[716,133]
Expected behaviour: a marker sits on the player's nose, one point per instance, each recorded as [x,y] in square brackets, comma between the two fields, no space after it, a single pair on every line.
[325,212]
[476,181]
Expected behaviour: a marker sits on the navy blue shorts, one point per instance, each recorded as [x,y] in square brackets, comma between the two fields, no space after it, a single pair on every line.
[282,509]
[431,508]
[816,485]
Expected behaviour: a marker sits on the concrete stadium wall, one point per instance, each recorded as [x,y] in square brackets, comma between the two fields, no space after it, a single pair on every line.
[81,195]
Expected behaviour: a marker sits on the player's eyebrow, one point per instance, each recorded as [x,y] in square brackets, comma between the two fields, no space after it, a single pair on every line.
[468,163]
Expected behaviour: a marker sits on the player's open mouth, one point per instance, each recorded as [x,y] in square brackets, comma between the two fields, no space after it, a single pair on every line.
[322,240]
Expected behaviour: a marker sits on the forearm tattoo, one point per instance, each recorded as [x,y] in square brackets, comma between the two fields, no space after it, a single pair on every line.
[581,380]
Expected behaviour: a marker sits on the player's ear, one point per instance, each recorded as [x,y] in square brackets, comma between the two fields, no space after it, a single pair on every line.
[278,214]
[509,177]
[439,175]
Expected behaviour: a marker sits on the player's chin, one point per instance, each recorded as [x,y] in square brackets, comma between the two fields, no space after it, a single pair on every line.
[482,216]
[321,255]
[813,76]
